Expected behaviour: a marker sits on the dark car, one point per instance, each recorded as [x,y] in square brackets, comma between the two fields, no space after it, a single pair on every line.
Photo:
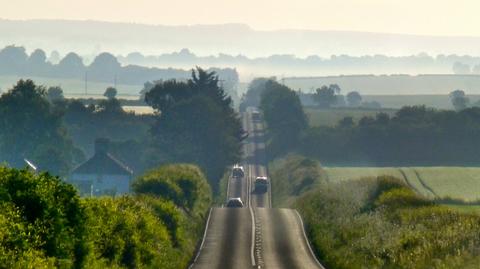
[235,202]
[261,184]
[255,115]
[238,172]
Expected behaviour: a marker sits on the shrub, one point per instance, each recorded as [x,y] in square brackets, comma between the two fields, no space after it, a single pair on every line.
[45,216]
[184,184]
[292,176]
[125,232]
[381,223]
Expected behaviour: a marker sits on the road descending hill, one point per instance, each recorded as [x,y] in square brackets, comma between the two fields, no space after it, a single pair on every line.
[257,235]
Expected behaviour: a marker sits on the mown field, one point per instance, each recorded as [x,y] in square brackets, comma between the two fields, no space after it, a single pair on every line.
[433,182]
[330,117]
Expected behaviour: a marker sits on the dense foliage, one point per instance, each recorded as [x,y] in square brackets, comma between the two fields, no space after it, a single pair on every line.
[183,184]
[381,223]
[127,131]
[30,128]
[195,124]
[413,136]
[374,222]
[284,116]
[254,93]
[43,217]
[45,224]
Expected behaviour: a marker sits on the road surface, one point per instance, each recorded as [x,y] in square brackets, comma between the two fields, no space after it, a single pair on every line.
[257,236]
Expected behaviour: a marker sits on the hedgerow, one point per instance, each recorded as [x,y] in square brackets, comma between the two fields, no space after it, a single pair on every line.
[45,224]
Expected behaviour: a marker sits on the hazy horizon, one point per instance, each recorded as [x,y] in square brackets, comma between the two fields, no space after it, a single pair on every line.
[427,17]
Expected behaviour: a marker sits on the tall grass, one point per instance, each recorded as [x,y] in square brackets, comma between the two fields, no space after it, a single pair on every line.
[377,222]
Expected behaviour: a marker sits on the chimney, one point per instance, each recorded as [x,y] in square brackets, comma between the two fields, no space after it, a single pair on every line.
[101,145]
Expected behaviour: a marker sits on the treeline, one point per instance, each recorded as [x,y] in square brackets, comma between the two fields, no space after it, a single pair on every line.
[376,222]
[45,224]
[397,84]
[194,122]
[104,68]
[422,63]
[412,136]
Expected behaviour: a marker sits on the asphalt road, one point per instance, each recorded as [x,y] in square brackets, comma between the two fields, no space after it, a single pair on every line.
[256,236]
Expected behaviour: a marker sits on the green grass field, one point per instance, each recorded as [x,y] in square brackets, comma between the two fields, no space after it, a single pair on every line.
[435,182]
[429,100]
[330,117]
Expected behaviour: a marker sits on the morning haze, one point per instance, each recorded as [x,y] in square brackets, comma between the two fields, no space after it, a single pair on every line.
[232,134]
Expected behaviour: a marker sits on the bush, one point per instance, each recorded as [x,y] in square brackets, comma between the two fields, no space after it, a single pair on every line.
[183,184]
[381,223]
[400,198]
[45,217]
[125,232]
[292,176]
[44,223]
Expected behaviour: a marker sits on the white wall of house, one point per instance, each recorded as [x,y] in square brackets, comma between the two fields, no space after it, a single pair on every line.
[102,184]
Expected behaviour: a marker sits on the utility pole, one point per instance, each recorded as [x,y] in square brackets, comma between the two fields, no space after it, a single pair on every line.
[86,82]
[221,83]
[115,81]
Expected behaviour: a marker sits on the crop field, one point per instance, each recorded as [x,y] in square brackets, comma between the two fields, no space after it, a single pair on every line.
[330,117]
[429,100]
[435,182]
[139,110]
[73,87]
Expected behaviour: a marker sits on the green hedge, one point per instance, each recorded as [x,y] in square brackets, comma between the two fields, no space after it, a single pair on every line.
[45,224]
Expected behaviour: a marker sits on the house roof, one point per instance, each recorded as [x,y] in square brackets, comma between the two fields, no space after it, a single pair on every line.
[102,163]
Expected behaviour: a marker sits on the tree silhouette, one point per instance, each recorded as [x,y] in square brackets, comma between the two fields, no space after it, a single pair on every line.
[110,93]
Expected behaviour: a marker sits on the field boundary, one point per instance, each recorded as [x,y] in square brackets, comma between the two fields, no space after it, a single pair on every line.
[424,184]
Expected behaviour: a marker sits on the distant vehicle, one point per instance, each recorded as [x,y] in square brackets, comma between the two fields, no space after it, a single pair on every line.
[235,202]
[238,172]
[255,115]
[261,184]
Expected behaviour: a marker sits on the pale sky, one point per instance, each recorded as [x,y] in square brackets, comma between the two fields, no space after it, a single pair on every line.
[430,17]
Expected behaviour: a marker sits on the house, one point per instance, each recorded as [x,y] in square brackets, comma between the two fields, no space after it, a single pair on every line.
[102,174]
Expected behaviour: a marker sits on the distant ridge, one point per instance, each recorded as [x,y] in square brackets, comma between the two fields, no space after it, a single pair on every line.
[92,37]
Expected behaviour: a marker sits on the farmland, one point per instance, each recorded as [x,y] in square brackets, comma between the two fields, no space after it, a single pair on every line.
[139,110]
[439,101]
[74,88]
[330,117]
[434,182]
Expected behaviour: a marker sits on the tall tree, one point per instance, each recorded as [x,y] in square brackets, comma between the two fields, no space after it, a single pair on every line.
[325,96]
[195,123]
[354,98]
[254,93]
[110,93]
[459,99]
[55,93]
[29,128]
[284,116]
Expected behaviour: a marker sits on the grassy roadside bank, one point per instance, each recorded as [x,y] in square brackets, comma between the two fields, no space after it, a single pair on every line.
[374,222]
